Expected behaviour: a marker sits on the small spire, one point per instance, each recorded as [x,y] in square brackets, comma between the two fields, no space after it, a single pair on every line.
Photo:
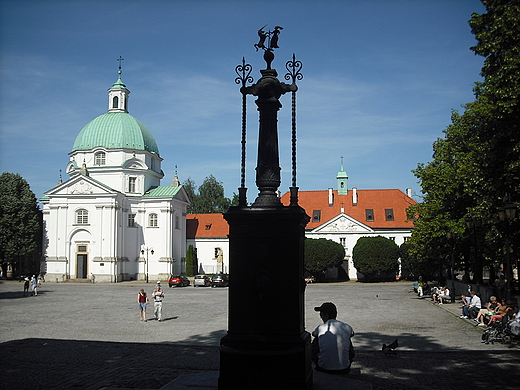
[176,182]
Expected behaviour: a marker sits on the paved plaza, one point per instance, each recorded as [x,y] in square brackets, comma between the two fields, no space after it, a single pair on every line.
[85,336]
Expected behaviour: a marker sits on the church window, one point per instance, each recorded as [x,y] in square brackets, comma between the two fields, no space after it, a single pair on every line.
[131,220]
[115,102]
[81,217]
[389,214]
[131,184]
[152,220]
[343,241]
[99,158]
[369,213]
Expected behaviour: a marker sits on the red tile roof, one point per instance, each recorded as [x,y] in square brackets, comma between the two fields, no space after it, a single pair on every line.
[206,226]
[377,200]
[215,226]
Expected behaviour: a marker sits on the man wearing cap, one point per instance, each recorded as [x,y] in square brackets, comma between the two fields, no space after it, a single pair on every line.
[331,345]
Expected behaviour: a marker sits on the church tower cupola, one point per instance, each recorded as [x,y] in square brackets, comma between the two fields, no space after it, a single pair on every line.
[342,181]
[118,94]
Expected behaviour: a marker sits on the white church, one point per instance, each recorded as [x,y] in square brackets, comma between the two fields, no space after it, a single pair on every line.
[112,220]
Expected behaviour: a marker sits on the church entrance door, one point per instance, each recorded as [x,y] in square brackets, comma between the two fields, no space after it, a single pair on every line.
[81,262]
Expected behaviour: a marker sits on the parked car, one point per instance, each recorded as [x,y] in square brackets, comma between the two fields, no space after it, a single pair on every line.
[220,280]
[201,280]
[178,281]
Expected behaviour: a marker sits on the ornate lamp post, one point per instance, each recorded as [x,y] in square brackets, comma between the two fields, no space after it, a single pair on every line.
[151,252]
[507,213]
[266,346]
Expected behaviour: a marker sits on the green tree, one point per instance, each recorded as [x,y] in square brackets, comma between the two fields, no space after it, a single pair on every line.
[191,261]
[210,197]
[20,226]
[477,162]
[322,254]
[376,257]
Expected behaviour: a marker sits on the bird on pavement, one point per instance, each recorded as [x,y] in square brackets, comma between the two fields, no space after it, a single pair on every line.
[390,348]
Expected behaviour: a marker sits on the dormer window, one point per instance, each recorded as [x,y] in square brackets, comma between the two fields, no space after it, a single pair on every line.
[100,158]
[369,213]
[131,184]
[389,214]
[316,215]
[208,226]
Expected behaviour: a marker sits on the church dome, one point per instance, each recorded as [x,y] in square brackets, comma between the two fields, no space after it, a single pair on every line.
[115,130]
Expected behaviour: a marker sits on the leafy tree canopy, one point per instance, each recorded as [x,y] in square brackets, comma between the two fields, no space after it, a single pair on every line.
[322,254]
[20,225]
[477,162]
[209,198]
[373,256]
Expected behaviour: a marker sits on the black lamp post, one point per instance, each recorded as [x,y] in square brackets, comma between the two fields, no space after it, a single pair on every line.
[474,223]
[142,252]
[507,213]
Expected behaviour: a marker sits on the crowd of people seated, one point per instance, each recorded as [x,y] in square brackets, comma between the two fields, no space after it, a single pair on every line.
[495,310]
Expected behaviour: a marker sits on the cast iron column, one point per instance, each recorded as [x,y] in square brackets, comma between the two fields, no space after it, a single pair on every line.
[266,346]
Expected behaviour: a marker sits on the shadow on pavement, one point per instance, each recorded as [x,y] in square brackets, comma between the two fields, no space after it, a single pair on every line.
[53,363]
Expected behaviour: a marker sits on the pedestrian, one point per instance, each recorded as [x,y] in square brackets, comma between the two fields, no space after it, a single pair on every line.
[332,351]
[26,287]
[157,296]
[34,285]
[474,306]
[142,300]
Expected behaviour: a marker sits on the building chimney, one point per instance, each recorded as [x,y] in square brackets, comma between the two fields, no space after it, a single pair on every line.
[354,196]
[331,197]
[409,192]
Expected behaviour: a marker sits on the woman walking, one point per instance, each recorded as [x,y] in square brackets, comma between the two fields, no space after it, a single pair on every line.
[142,300]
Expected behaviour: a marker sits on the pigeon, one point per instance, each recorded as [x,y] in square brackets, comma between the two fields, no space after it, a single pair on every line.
[390,348]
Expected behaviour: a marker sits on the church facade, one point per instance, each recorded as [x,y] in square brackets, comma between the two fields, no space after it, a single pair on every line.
[112,220]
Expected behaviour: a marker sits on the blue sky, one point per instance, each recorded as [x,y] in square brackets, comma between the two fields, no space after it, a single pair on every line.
[380,80]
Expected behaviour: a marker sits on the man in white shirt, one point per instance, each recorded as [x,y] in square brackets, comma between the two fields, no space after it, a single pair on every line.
[332,350]
[157,296]
[475,305]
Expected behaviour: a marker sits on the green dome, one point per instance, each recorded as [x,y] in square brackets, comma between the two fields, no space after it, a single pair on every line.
[115,130]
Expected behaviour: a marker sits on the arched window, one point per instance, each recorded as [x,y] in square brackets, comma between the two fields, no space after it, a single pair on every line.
[152,220]
[81,217]
[99,158]
[115,102]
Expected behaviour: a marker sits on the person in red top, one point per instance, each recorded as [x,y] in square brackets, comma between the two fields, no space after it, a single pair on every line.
[142,300]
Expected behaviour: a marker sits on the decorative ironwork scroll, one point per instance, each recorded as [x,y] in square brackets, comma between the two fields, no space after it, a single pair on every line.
[294,67]
[244,76]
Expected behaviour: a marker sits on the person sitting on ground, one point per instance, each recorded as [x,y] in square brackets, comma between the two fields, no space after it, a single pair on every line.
[466,301]
[482,317]
[331,349]
[475,305]
[501,310]
[444,295]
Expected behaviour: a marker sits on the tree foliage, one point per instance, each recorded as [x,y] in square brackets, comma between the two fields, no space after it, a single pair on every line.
[209,198]
[20,225]
[477,162]
[376,257]
[322,254]
[191,261]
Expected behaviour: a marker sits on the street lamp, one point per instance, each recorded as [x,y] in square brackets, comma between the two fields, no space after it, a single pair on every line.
[506,214]
[151,252]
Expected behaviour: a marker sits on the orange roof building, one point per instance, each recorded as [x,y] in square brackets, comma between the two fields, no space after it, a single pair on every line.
[341,215]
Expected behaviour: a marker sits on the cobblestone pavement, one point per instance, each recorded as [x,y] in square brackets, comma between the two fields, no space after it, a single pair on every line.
[83,336]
